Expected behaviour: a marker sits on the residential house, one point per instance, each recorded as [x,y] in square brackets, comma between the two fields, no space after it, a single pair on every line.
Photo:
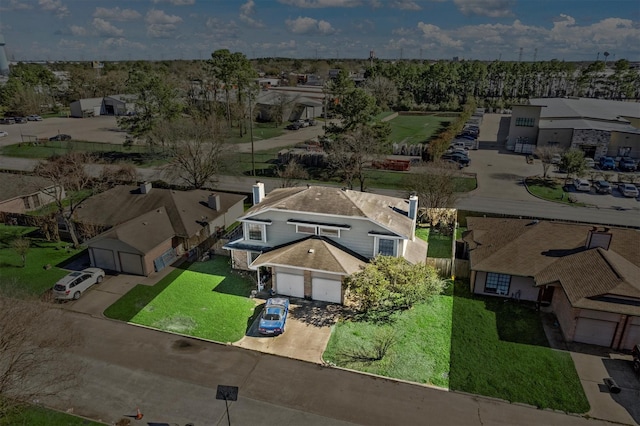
[588,277]
[308,239]
[21,193]
[148,228]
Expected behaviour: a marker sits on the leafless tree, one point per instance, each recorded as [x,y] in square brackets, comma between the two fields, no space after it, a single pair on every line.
[196,149]
[71,182]
[545,154]
[435,186]
[291,173]
[118,175]
[34,339]
[21,247]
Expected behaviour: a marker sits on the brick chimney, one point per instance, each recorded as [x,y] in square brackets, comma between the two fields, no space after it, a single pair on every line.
[598,238]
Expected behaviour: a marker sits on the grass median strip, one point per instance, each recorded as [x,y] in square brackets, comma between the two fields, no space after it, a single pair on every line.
[204,300]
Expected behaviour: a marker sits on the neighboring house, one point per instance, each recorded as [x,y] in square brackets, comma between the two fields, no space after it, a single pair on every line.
[308,239]
[589,277]
[150,227]
[596,126]
[23,193]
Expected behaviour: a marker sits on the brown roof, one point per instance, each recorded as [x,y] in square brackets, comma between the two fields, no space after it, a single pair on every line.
[555,252]
[185,209]
[388,212]
[313,253]
[144,232]
[13,185]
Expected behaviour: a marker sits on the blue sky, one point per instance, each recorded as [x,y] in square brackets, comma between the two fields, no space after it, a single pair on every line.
[572,30]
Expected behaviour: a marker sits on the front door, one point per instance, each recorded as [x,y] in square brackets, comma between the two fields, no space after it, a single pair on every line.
[545,295]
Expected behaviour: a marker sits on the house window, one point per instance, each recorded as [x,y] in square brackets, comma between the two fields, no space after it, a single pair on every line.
[255,231]
[497,283]
[624,151]
[27,202]
[36,201]
[525,122]
[329,232]
[386,247]
[305,229]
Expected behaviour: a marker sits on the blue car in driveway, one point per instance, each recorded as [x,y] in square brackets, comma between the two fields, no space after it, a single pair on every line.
[274,316]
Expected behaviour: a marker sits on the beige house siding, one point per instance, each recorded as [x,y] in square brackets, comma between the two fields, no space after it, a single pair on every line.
[515,132]
[564,313]
[13,206]
[153,254]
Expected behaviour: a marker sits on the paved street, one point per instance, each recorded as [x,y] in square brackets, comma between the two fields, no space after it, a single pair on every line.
[173,380]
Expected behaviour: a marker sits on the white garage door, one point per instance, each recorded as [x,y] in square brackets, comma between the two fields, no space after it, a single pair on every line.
[290,284]
[632,337]
[595,332]
[131,263]
[104,259]
[326,290]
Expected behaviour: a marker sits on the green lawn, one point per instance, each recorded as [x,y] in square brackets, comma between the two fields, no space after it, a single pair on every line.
[439,245]
[33,278]
[550,189]
[38,416]
[260,131]
[205,300]
[479,345]
[499,349]
[414,129]
[420,354]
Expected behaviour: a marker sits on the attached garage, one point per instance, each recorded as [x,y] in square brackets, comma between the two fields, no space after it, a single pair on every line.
[326,290]
[632,334]
[131,263]
[290,284]
[595,331]
[103,258]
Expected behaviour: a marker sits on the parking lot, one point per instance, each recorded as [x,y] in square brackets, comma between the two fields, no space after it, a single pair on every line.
[96,129]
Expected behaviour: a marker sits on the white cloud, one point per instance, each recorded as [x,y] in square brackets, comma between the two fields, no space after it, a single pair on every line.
[77,30]
[70,44]
[176,2]
[405,5]
[161,25]
[120,42]
[436,36]
[247,10]
[55,7]
[116,14]
[491,8]
[105,28]
[319,4]
[307,25]
[15,5]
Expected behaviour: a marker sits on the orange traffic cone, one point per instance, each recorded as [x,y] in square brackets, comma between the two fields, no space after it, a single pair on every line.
[139,415]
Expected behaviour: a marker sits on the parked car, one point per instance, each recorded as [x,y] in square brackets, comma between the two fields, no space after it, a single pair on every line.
[628,190]
[3,134]
[636,359]
[589,163]
[60,137]
[607,163]
[311,121]
[627,164]
[19,120]
[556,159]
[7,120]
[293,126]
[274,316]
[302,123]
[602,187]
[75,283]
[582,185]
[459,158]
[34,117]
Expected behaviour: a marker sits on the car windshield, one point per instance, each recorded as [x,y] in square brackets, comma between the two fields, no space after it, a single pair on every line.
[273,314]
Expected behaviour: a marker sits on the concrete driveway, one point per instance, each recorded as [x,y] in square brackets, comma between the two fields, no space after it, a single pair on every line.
[306,335]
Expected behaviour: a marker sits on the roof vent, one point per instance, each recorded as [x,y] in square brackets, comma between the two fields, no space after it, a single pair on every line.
[311,251]
[214,202]
[145,187]
[596,238]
